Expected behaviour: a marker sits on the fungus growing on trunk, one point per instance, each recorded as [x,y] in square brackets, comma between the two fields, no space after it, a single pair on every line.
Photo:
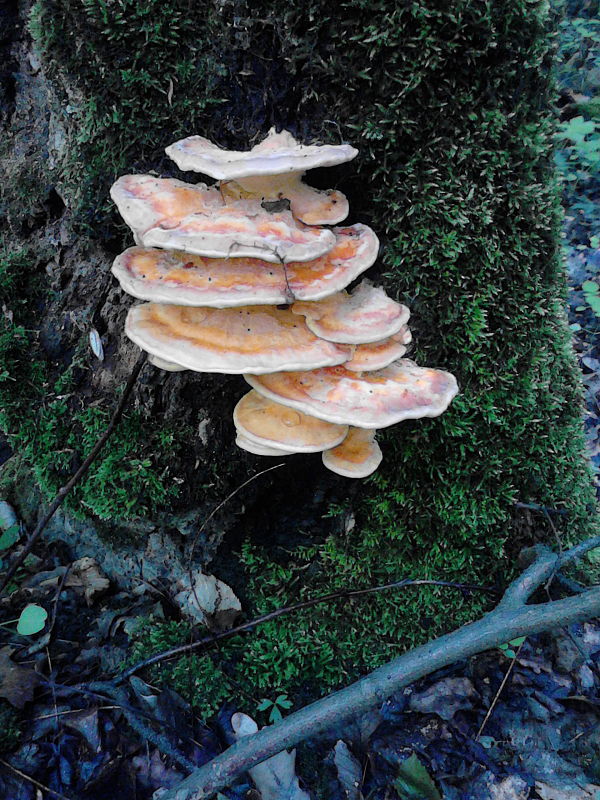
[217,263]
[171,276]
[167,213]
[254,339]
[365,315]
[370,400]
[281,428]
[377,355]
[357,456]
[272,170]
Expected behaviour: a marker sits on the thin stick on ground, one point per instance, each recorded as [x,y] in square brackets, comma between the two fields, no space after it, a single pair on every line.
[499,692]
[346,594]
[33,781]
[208,519]
[511,618]
[64,491]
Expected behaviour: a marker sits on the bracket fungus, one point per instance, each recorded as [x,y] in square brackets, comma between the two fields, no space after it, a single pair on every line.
[243,277]
[167,213]
[356,457]
[232,340]
[282,428]
[364,316]
[171,276]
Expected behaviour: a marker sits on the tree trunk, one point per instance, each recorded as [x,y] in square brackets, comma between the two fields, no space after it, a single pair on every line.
[448,104]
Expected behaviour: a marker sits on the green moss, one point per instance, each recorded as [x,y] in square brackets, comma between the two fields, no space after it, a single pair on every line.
[48,429]
[129,479]
[144,81]
[10,730]
[197,678]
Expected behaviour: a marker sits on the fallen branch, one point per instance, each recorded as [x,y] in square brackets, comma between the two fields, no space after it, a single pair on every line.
[343,594]
[563,512]
[510,619]
[145,731]
[64,490]
[29,779]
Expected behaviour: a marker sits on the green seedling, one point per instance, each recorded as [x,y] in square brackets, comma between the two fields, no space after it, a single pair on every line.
[281,701]
[591,291]
[414,782]
[31,620]
[509,648]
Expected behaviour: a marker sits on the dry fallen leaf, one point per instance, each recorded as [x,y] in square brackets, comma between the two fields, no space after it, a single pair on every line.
[210,601]
[349,771]
[276,777]
[548,792]
[16,682]
[85,574]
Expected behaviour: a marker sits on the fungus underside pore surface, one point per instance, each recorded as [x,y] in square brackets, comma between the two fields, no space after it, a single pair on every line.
[448,105]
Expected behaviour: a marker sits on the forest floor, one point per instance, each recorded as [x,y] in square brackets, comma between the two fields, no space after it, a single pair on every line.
[518,722]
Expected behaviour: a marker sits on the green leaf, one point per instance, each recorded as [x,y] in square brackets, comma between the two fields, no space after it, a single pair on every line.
[595,242]
[590,287]
[503,646]
[577,128]
[275,715]
[518,641]
[264,704]
[9,537]
[414,782]
[594,301]
[510,653]
[32,620]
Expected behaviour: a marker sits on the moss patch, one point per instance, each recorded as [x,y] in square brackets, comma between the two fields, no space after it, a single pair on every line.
[49,429]
[10,731]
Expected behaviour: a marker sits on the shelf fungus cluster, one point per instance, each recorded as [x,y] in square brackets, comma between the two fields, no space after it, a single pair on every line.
[249,276]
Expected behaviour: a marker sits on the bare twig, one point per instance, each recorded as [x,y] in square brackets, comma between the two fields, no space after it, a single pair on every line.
[33,781]
[44,641]
[578,551]
[159,740]
[216,638]
[59,589]
[510,619]
[545,564]
[73,711]
[64,491]
[499,692]
[545,509]
[211,515]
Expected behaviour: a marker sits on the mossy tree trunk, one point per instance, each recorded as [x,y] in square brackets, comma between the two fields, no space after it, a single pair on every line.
[449,105]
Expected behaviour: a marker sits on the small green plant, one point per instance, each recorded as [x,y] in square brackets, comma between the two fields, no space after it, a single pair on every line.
[583,150]
[9,537]
[510,648]
[414,781]
[591,292]
[275,706]
[30,621]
